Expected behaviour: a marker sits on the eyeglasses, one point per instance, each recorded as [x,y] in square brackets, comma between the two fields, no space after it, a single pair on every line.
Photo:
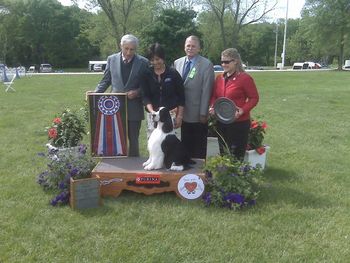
[227,61]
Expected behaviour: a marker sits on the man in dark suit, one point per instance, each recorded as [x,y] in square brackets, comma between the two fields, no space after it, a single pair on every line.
[198,75]
[125,72]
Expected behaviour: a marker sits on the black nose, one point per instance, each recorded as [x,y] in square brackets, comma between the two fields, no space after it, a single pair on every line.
[153,115]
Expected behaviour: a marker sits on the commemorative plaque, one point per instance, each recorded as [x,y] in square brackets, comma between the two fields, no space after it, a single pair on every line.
[225,110]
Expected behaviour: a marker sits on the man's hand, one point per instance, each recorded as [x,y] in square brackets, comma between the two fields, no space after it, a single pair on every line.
[132,94]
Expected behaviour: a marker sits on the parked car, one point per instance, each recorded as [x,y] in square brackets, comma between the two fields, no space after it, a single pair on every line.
[31,69]
[306,65]
[218,68]
[45,68]
[98,67]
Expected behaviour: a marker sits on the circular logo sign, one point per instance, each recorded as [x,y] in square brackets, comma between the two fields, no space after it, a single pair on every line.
[190,186]
[108,105]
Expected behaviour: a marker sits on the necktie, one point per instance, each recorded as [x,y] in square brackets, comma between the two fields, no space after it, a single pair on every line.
[187,69]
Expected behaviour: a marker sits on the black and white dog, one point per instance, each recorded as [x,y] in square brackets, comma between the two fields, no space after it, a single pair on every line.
[164,148]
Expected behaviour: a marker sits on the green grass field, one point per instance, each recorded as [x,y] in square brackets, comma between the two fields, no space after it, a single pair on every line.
[302,215]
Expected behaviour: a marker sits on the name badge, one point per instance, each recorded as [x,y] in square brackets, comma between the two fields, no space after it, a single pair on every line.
[192,73]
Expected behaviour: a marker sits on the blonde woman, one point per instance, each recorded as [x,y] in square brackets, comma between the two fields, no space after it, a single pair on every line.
[238,86]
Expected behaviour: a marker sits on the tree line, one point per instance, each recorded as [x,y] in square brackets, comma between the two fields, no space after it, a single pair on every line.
[44,31]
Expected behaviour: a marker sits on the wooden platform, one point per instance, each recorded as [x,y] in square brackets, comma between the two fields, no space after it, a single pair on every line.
[116,175]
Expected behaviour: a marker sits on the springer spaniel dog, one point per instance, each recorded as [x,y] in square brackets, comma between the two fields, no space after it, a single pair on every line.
[164,148]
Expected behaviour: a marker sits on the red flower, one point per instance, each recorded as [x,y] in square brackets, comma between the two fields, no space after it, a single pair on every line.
[57,121]
[260,150]
[52,133]
[264,125]
[254,124]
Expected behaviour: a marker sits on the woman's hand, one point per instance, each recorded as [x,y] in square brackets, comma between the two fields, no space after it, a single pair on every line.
[239,112]
[178,122]
[211,111]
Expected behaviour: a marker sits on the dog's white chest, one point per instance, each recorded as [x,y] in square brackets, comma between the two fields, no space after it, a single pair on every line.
[155,140]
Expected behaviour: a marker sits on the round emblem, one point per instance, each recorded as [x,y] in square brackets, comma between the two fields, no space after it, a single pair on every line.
[108,105]
[225,110]
[190,186]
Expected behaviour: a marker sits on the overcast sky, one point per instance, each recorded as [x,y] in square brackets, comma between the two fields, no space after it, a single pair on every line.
[294,8]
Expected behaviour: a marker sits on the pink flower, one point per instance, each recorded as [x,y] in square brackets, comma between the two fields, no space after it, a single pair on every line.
[254,124]
[264,125]
[260,150]
[57,120]
[52,133]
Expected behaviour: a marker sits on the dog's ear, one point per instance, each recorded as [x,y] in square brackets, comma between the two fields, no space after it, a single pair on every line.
[167,121]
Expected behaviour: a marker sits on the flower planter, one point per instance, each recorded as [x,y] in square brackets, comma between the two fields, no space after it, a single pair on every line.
[59,151]
[254,158]
[69,151]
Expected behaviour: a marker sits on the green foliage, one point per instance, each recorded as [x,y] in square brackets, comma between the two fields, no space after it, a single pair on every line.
[231,183]
[46,32]
[67,129]
[328,24]
[170,29]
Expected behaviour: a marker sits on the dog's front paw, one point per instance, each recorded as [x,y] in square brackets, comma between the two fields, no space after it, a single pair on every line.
[175,167]
[148,167]
[146,163]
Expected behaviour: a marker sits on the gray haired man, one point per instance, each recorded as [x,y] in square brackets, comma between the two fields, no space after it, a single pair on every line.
[125,72]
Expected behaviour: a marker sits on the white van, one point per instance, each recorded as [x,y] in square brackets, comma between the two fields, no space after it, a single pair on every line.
[306,65]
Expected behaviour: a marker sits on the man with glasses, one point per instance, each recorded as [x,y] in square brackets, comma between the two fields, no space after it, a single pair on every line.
[198,75]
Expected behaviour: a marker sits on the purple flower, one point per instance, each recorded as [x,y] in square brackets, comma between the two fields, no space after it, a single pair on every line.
[42,178]
[74,172]
[82,149]
[61,198]
[207,198]
[41,154]
[208,174]
[245,168]
[62,185]
[233,197]
[233,175]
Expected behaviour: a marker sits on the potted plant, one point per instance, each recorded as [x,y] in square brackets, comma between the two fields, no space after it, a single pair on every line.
[256,150]
[61,169]
[230,183]
[66,130]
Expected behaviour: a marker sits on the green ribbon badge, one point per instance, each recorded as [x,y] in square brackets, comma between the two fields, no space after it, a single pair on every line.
[192,73]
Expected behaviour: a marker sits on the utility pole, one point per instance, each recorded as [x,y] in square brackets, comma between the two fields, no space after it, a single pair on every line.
[275,61]
[285,37]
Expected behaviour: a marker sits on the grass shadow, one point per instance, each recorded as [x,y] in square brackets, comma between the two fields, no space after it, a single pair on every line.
[282,186]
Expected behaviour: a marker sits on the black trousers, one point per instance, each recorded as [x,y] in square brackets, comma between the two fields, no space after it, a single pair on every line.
[133,136]
[194,137]
[236,137]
